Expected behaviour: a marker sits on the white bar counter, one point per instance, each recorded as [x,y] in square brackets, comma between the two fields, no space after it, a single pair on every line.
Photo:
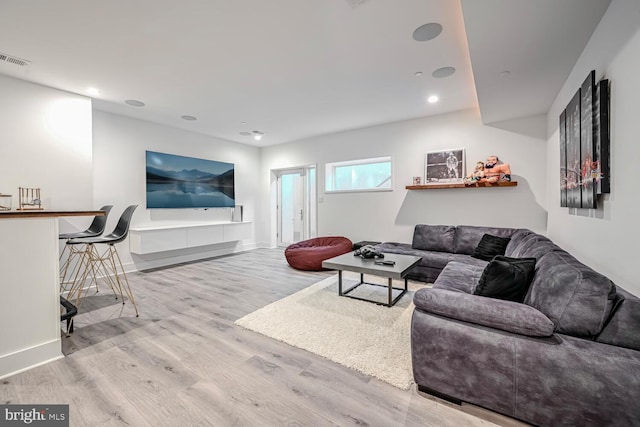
[30,288]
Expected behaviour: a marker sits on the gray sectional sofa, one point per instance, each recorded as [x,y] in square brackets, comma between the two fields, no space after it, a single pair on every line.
[568,355]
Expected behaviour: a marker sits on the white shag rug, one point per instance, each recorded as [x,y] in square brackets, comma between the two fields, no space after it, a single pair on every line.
[369,338]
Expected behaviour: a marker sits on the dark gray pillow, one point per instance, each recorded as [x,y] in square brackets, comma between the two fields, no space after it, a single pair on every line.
[506,278]
[490,246]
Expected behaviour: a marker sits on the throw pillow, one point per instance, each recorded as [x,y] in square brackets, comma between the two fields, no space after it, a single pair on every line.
[490,246]
[506,278]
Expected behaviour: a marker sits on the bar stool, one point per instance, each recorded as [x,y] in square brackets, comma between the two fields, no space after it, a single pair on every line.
[95,229]
[107,264]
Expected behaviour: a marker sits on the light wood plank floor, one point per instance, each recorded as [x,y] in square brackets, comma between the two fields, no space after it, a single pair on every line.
[183,362]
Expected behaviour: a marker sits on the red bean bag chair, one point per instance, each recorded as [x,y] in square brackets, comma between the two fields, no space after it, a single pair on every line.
[309,254]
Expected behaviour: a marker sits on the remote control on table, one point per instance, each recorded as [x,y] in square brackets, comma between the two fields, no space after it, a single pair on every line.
[386,262]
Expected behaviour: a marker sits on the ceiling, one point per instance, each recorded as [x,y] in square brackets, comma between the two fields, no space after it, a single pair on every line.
[294,69]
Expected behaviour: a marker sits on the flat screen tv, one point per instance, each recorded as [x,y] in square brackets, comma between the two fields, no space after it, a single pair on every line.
[175,182]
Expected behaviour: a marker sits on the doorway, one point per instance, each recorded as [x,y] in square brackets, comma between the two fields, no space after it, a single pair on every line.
[296,205]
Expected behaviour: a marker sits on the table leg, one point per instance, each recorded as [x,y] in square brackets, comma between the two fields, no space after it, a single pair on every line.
[390,292]
[340,282]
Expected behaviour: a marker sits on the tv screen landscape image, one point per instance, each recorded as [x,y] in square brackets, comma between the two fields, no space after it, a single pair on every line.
[175,182]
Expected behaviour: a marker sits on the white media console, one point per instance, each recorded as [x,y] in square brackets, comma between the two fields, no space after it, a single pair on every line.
[174,236]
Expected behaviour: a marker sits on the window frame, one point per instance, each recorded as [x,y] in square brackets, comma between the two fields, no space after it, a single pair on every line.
[330,175]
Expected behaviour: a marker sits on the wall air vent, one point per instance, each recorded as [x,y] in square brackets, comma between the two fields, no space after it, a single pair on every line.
[14,60]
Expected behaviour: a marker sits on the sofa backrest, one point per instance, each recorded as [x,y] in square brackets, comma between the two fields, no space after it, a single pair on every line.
[468,236]
[577,299]
[527,244]
[438,238]
[461,239]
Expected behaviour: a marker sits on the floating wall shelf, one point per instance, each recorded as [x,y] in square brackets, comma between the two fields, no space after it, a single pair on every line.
[477,185]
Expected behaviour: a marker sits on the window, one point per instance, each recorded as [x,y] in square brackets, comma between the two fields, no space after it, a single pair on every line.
[359,175]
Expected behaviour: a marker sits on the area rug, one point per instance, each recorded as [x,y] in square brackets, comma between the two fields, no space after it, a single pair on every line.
[369,338]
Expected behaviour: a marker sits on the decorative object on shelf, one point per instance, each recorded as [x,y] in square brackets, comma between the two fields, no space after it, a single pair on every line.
[476,175]
[495,170]
[462,185]
[5,202]
[29,199]
[417,180]
[237,214]
[584,145]
[446,166]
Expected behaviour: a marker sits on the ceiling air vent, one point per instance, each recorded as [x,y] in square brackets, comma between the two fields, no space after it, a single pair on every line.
[356,3]
[14,60]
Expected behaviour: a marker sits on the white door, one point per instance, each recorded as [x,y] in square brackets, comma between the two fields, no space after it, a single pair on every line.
[295,209]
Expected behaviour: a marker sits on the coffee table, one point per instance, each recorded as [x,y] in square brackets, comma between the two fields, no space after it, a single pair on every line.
[349,262]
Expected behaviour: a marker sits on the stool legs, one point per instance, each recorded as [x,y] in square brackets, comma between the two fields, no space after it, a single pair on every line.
[93,265]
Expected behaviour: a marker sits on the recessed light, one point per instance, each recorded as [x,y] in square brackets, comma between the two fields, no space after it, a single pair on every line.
[417,73]
[245,133]
[505,73]
[189,118]
[134,103]
[93,91]
[427,32]
[257,135]
[432,99]
[443,72]
[243,123]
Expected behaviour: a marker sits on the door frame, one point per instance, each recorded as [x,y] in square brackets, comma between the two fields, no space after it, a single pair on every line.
[309,204]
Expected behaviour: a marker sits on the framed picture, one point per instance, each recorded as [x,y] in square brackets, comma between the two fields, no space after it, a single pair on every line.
[446,166]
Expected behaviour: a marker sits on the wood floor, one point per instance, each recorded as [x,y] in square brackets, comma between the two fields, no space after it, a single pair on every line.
[184,363]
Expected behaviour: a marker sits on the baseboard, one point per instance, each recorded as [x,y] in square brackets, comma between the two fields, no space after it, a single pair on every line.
[141,263]
[265,245]
[14,363]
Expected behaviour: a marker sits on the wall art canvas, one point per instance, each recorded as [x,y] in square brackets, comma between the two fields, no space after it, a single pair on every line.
[588,164]
[574,195]
[601,131]
[186,182]
[585,146]
[563,159]
[446,166]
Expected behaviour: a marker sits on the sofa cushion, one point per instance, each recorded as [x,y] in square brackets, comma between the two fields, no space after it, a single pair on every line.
[459,277]
[623,328]
[490,246]
[468,236]
[576,298]
[396,248]
[439,238]
[506,278]
[504,315]
[429,258]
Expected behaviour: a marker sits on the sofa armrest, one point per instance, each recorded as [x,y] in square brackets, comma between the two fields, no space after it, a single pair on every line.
[504,315]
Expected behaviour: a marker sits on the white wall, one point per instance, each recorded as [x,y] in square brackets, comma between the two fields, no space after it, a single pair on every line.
[391,216]
[119,179]
[607,238]
[46,144]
